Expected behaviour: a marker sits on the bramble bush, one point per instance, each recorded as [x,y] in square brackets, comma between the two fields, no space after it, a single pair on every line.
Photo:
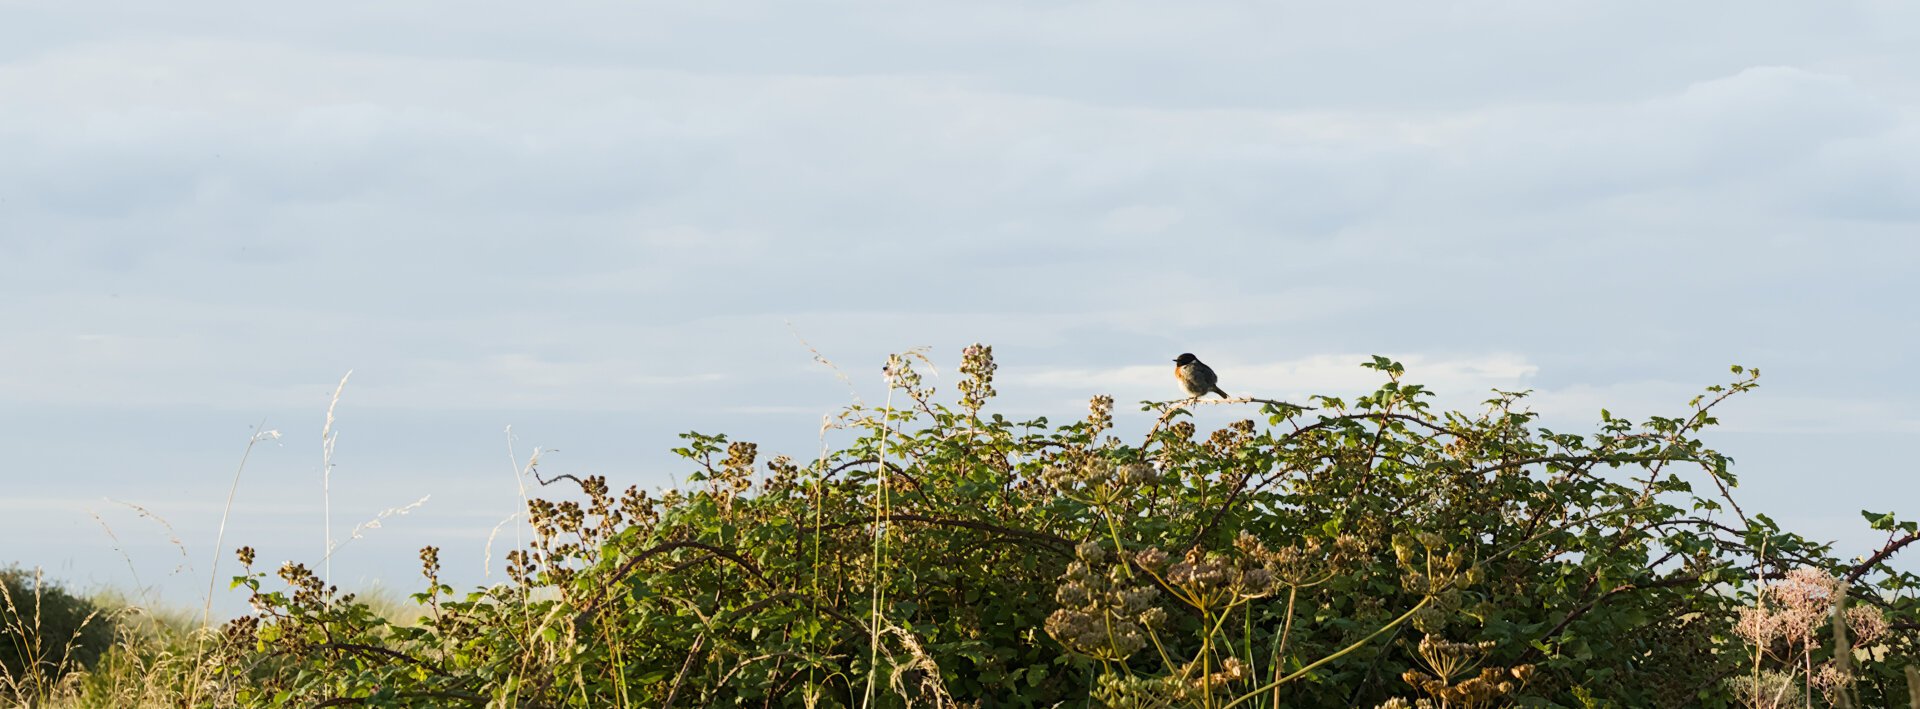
[1369,551]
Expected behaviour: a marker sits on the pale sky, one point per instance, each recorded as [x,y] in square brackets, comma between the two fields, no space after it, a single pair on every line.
[604,223]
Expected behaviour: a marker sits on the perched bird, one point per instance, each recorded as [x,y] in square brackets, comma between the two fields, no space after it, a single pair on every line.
[1197,378]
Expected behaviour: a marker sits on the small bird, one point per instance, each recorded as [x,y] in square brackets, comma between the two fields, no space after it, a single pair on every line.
[1197,378]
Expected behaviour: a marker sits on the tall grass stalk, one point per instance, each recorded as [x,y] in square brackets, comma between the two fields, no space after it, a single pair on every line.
[115,539]
[520,482]
[327,438]
[813,574]
[260,433]
[880,513]
[1913,686]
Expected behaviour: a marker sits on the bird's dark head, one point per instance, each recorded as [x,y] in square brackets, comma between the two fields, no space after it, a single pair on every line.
[1186,358]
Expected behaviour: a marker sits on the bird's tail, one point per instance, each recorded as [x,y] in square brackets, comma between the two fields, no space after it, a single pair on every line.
[1222,394]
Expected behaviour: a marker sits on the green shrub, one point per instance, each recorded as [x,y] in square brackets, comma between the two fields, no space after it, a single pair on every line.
[1364,552]
[46,632]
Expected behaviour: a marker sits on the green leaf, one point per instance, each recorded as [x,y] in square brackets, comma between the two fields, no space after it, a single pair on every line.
[1882,521]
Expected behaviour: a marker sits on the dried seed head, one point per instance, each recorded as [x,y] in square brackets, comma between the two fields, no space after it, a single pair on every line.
[1868,624]
[1150,558]
[976,372]
[1091,552]
[1758,626]
[430,561]
[900,374]
[1099,415]
[1770,689]
[1101,615]
[1795,607]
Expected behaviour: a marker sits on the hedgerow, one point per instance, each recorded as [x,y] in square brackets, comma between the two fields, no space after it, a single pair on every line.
[1334,552]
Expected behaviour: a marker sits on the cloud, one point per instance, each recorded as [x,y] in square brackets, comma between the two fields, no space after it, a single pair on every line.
[611,212]
[483,231]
